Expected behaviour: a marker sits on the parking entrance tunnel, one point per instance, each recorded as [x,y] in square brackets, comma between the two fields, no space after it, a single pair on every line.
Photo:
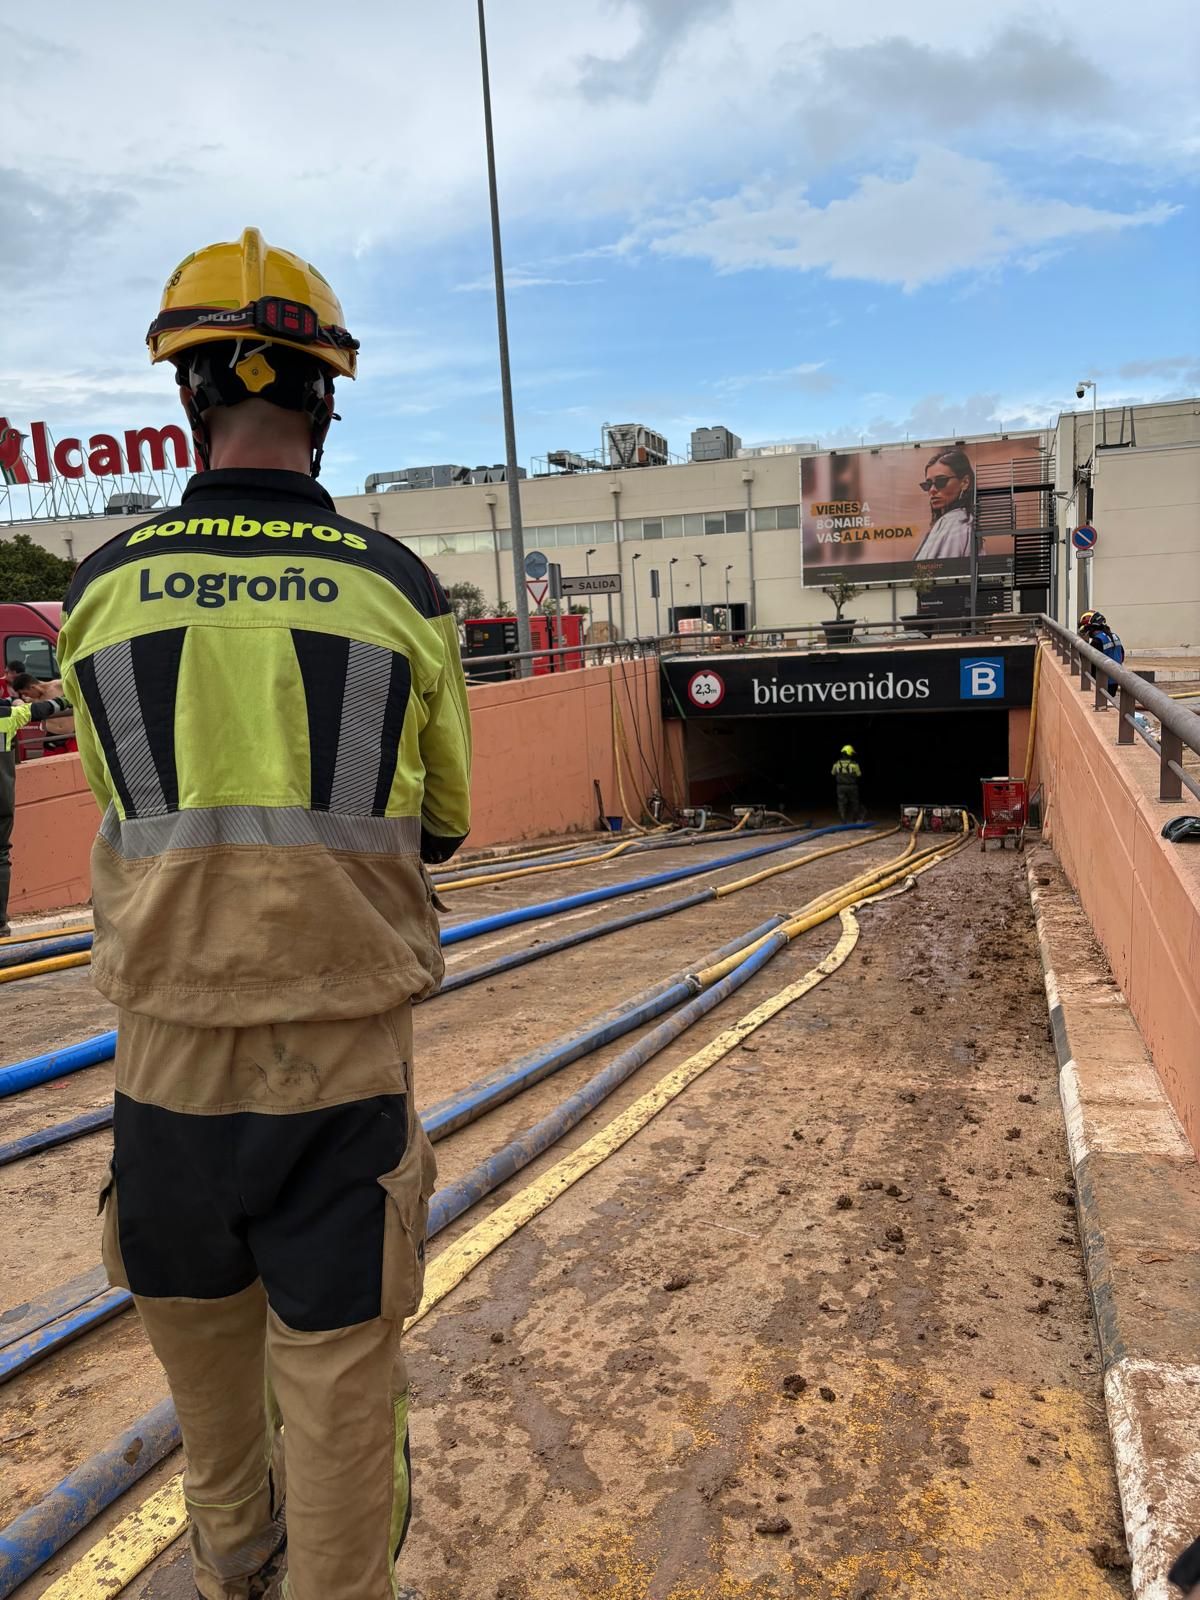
[928,725]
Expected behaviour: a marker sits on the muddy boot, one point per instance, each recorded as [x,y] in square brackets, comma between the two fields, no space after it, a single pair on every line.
[1185,1571]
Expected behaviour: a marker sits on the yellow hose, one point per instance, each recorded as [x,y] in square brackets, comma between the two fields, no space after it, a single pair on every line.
[529,872]
[826,906]
[129,1548]
[790,866]
[48,933]
[1033,705]
[31,969]
[619,744]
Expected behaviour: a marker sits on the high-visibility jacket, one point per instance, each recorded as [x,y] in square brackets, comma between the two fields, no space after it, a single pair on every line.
[846,771]
[17,714]
[271,712]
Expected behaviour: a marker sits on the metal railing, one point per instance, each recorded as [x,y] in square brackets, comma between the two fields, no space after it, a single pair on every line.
[1179,729]
[804,636]
[815,636]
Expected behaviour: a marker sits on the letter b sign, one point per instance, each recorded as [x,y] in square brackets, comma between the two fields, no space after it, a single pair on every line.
[981,678]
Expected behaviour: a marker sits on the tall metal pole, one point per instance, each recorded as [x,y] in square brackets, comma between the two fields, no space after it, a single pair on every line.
[700,574]
[671,587]
[521,596]
[1095,462]
[634,559]
[587,567]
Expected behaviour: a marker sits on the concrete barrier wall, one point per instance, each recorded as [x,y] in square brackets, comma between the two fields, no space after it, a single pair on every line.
[540,745]
[1141,894]
[56,820]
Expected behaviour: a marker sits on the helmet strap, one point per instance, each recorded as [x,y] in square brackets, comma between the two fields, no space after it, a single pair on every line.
[208,375]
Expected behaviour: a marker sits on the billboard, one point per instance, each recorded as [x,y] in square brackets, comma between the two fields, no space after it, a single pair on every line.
[896,514]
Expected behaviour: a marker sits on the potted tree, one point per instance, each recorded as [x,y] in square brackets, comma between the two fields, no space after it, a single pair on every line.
[838,632]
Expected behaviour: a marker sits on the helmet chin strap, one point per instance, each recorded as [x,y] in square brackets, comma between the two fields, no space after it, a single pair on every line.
[207,383]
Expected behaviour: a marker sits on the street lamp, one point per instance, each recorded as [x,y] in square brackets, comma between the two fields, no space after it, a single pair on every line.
[1084,568]
[700,565]
[587,567]
[728,612]
[1081,389]
[521,595]
[671,589]
[633,561]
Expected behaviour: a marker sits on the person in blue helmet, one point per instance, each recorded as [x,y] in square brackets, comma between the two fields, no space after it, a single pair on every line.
[1096,629]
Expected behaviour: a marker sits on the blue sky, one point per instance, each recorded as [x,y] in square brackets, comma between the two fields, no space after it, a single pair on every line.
[817,222]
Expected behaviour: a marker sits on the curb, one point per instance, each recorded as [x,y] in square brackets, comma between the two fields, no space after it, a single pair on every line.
[1138,1205]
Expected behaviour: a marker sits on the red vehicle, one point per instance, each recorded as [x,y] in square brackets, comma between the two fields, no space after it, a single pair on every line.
[29,633]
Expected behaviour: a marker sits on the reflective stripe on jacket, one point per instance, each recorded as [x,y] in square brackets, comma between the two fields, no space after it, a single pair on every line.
[847,771]
[271,710]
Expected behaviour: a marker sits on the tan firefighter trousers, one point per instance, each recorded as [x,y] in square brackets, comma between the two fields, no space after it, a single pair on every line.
[267,1206]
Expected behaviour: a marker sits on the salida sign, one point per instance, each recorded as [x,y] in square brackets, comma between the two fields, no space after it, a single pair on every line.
[35,458]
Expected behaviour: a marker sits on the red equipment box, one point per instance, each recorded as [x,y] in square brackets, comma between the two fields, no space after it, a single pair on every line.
[1005,812]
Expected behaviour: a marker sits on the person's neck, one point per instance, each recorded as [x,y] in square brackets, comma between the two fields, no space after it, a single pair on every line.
[274,457]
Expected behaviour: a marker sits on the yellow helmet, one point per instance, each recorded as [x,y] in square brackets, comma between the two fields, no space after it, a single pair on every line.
[847,749]
[246,288]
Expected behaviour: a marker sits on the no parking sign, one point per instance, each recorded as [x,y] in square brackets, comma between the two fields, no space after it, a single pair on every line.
[1084,539]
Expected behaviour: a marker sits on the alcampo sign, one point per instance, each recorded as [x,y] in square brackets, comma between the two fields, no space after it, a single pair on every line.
[103,456]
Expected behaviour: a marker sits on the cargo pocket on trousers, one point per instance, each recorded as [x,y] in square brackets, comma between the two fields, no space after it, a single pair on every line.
[110,1240]
[408,1189]
[431,893]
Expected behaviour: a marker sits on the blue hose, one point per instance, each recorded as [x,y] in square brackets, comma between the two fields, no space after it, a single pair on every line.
[448,1116]
[57,1063]
[35,1314]
[32,1538]
[593,930]
[667,841]
[18,954]
[461,931]
[455,1198]
[28,1352]
[439,1121]
[60,1133]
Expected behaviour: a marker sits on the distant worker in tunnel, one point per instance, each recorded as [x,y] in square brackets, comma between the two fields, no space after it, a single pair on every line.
[847,775]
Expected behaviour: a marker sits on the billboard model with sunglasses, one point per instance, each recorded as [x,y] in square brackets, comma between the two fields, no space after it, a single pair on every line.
[894,515]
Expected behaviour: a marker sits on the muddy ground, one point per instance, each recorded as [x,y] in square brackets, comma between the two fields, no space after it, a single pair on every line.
[821,1329]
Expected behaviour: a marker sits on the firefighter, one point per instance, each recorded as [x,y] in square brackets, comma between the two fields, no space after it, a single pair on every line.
[847,775]
[14,715]
[1094,626]
[263,924]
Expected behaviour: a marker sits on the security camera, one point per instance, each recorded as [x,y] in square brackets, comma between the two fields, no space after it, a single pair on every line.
[1080,390]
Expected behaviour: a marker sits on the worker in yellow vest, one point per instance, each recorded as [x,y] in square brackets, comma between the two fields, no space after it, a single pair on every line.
[847,775]
[264,922]
[14,715]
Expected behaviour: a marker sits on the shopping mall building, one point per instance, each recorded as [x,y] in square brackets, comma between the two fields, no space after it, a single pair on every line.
[762,532]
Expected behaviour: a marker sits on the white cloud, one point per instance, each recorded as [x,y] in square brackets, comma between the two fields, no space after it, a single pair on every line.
[809,376]
[950,214]
[519,279]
